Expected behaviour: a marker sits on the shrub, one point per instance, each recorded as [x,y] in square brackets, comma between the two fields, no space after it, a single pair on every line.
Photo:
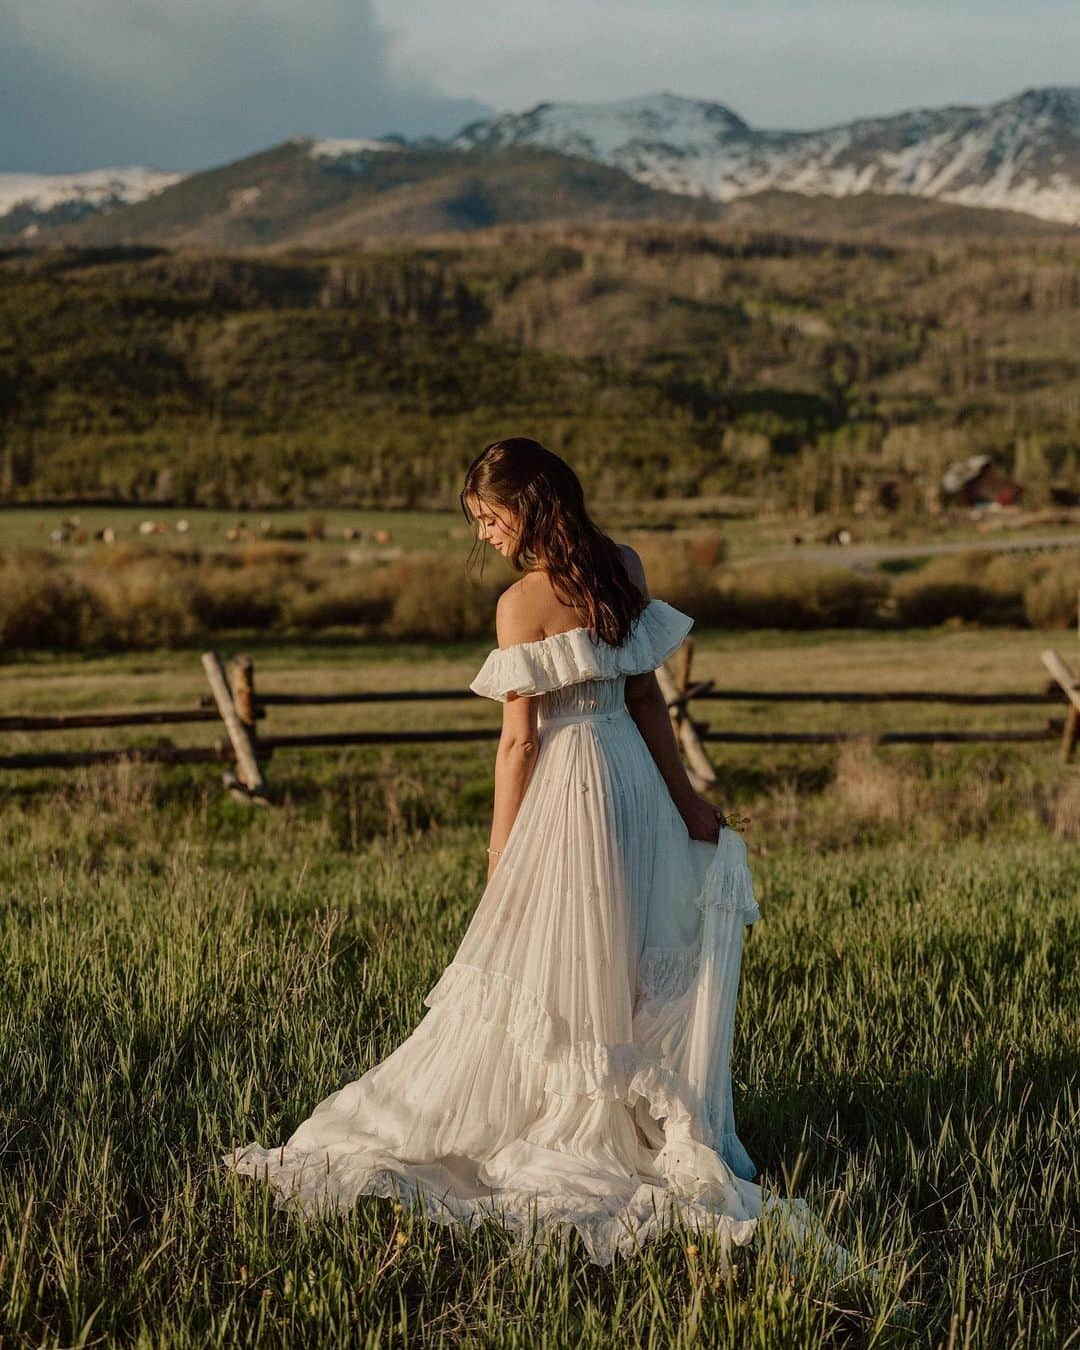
[149,604]
[1050,597]
[706,548]
[672,575]
[41,604]
[872,790]
[247,597]
[926,603]
[362,597]
[797,596]
[267,553]
[973,586]
[430,601]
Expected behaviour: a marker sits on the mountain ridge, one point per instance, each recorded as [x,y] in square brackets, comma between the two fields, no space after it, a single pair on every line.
[1021,154]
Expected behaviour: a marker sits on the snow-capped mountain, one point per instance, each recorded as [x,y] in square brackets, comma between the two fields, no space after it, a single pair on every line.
[1022,154]
[30,200]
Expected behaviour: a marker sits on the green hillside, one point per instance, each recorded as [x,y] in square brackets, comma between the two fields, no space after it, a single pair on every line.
[285,195]
[664,360]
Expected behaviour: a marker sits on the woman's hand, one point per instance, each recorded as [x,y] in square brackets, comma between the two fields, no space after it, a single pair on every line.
[703,820]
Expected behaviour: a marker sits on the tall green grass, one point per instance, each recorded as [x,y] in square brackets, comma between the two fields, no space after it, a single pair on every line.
[179,974]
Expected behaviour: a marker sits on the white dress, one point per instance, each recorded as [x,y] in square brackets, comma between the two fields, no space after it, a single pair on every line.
[573,1066]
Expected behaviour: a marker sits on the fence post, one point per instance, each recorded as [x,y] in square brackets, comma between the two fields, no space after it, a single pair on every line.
[250,775]
[684,660]
[699,767]
[1071,686]
[242,680]
[1070,735]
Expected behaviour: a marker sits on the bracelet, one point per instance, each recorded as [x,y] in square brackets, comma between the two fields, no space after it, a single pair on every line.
[494,850]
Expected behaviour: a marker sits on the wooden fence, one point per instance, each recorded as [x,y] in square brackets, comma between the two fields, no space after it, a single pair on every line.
[235,704]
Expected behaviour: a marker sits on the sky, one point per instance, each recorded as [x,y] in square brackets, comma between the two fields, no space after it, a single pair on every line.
[185,84]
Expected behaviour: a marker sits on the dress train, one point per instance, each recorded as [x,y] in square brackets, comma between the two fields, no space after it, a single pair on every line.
[573,1066]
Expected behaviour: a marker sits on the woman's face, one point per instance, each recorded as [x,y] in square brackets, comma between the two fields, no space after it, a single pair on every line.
[495,524]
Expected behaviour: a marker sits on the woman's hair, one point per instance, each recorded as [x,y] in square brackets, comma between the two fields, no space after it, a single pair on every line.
[555,532]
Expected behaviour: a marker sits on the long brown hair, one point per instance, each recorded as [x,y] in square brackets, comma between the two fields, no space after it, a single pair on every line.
[555,533]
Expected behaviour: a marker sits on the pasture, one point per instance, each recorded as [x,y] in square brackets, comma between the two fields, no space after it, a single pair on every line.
[324,533]
[181,972]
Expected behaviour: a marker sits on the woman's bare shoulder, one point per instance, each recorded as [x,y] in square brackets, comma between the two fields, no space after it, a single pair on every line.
[530,609]
[536,606]
[518,614]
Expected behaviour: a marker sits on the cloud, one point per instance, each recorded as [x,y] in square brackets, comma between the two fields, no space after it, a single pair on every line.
[778,63]
[188,85]
[184,84]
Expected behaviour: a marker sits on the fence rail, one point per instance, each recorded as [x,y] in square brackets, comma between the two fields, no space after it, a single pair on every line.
[234,704]
[874,696]
[79,721]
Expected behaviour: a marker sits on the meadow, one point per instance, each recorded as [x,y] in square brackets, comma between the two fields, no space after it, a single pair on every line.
[181,972]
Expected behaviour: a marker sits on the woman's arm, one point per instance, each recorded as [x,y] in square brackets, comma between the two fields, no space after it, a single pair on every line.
[519,740]
[646,705]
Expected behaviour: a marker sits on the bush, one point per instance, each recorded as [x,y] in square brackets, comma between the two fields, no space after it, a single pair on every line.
[363,597]
[672,575]
[135,598]
[430,601]
[145,605]
[873,790]
[972,586]
[706,548]
[923,604]
[245,597]
[1050,597]
[796,596]
[267,553]
[41,604]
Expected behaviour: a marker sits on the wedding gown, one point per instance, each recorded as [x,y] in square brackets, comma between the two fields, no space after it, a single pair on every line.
[574,1063]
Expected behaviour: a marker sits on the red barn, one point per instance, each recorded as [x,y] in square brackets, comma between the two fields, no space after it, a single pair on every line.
[977,481]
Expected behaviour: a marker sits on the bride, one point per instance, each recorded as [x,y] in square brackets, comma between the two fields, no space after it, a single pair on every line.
[573,1064]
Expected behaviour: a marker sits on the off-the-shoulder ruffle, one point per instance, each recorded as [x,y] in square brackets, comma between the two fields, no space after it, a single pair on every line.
[568,658]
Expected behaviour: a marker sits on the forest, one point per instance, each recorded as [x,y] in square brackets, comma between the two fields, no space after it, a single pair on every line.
[666,361]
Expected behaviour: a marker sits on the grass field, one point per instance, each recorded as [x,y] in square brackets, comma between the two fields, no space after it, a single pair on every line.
[180,973]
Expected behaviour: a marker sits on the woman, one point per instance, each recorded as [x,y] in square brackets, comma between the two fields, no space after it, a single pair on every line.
[573,1066]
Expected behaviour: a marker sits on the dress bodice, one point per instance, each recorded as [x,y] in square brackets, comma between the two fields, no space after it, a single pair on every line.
[575,673]
[587,698]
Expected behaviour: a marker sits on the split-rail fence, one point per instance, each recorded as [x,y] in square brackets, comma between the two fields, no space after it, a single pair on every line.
[235,705]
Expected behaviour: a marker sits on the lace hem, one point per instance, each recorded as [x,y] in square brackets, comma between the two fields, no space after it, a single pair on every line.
[728,882]
[610,1226]
[314,1184]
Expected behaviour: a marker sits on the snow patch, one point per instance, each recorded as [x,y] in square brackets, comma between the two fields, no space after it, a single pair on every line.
[243,199]
[1022,154]
[97,189]
[341,148]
